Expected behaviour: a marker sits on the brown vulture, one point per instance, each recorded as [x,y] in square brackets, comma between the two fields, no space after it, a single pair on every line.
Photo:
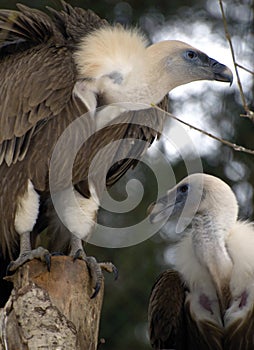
[55,68]
[206,301]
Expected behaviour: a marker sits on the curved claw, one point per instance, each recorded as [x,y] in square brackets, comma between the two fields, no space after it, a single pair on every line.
[95,269]
[96,290]
[95,273]
[115,272]
[9,268]
[80,254]
[47,258]
[110,268]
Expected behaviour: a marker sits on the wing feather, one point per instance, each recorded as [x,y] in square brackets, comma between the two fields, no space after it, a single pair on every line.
[27,24]
[139,132]
[36,83]
[202,334]
[239,334]
[165,313]
[74,21]
[37,69]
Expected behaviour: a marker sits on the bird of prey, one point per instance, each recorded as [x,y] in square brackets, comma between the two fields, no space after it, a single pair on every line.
[56,67]
[206,300]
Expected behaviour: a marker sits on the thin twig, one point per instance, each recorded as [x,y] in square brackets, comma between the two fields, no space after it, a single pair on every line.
[225,142]
[246,69]
[249,113]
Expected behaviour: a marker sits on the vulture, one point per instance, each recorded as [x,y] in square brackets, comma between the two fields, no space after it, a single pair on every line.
[63,66]
[206,299]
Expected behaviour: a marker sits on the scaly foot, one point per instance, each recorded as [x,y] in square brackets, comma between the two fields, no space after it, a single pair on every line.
[95,269]
[27,255]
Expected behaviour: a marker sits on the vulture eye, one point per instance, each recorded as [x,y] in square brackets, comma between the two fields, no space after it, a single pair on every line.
[191,55]
[184,188]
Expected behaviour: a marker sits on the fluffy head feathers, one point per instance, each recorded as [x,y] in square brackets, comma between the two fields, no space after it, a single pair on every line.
[110,49]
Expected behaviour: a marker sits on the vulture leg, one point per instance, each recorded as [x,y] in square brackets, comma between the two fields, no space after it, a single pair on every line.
[66,227]
[27,254]
[25,218]
[95,268]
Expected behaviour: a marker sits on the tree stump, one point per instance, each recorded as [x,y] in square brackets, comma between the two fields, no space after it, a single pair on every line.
[51,310]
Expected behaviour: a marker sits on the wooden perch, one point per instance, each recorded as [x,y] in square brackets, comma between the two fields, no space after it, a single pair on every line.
[51,310]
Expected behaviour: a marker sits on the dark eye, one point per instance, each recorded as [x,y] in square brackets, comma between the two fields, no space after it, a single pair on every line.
[191,54]
[184,188]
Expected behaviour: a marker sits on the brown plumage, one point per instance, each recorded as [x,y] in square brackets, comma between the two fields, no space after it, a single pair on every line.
[206,301]
[171,325]
[55,68]
[166,313]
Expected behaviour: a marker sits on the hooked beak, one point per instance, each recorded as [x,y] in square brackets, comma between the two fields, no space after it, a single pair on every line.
[221,72]
[160,210]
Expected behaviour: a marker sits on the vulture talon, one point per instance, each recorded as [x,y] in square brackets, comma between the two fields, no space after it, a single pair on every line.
[38,253]
[96,290]
[110,268]
[95,269]
[47,258]
[9,268]
[80,254]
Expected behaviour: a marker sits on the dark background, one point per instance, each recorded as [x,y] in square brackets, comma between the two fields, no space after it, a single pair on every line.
[124,315]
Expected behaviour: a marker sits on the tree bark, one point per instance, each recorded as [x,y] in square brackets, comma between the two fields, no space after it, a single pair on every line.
[51,310]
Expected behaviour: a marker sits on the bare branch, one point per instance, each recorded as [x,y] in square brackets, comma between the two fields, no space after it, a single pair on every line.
[244,68]
[225,142]
[249,113]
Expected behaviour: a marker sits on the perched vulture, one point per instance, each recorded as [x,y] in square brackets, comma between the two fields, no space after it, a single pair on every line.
[55,68]
[207,300]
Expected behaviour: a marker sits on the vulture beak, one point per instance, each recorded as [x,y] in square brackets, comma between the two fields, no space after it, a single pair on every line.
[221,72]
[162,209]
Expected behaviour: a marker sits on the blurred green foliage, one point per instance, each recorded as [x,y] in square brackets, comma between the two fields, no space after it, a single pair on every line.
[124,316]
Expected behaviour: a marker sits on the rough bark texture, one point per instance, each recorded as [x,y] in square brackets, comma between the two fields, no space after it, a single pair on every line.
[51,310]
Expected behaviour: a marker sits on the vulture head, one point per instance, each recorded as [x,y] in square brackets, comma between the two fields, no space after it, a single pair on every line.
[212,208]
[195,196]
[117,64]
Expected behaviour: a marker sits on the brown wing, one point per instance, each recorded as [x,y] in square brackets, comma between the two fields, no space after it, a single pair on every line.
[142,129]
[240,334]
[117,147]
[36,83]
[95,157]
[202,334]
[165,313]
[121,144]
[37,76]
[37,71]
[73,22]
